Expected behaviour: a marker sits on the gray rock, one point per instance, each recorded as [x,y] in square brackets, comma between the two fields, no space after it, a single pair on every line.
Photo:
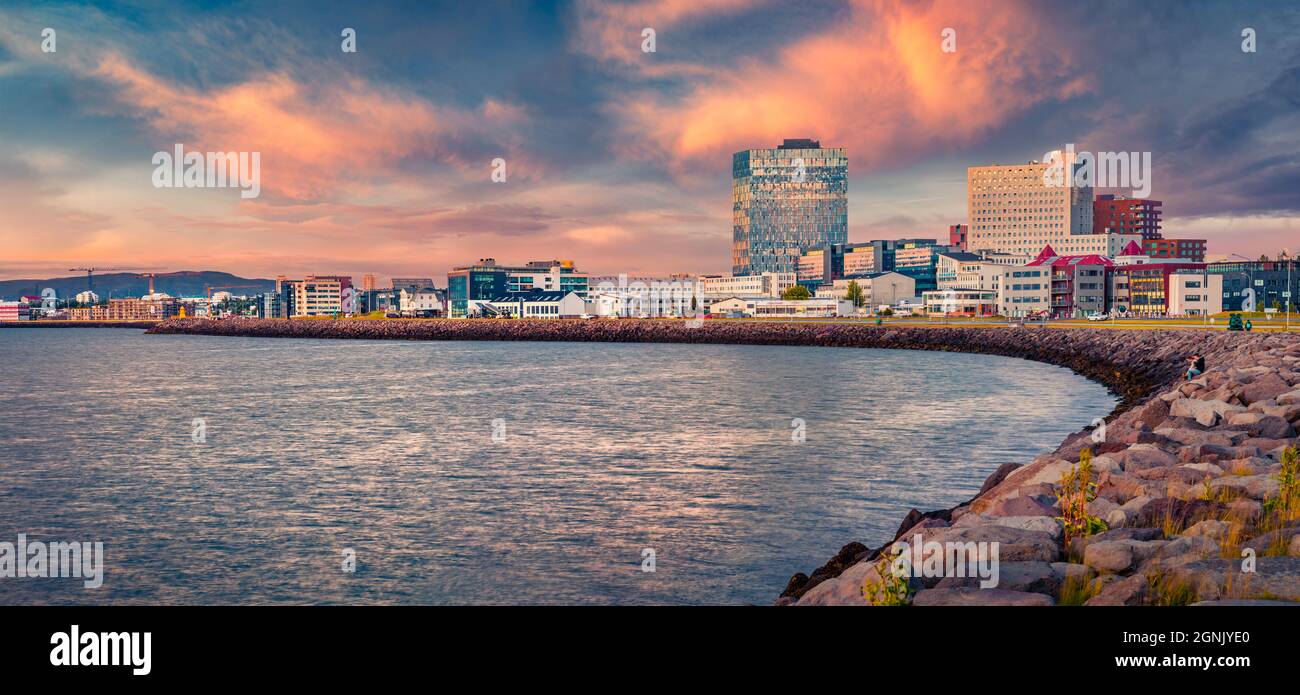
[1014,544]
[1205,412]
[1036,577]
[1263,388]
[1186,549]
[1130,591]
[1272,427]
[1109,556]
[844,590]
[1021,506]
[1257,487]
[1213,579]
[1210,528]
[1136,459]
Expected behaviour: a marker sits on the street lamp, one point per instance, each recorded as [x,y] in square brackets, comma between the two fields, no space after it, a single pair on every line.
[1288,292]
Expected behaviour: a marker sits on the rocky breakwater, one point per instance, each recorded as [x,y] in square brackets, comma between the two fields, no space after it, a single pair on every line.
[1196,500]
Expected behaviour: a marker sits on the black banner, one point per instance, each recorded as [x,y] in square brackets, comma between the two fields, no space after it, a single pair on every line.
[333,645]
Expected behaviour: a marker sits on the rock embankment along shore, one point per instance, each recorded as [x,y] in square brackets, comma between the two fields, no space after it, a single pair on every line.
[1187,478]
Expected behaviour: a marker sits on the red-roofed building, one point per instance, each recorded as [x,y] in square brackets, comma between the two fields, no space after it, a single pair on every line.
[1076,284]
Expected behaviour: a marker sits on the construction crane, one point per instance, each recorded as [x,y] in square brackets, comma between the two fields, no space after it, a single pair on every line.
[209,288]
[90,273]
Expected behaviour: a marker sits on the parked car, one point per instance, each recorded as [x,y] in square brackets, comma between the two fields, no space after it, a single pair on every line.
[586,316]
[1098,317]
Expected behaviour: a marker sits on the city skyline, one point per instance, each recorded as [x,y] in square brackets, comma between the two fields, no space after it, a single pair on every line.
[381,161]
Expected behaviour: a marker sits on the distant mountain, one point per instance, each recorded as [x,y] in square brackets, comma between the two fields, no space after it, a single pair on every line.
[185,283]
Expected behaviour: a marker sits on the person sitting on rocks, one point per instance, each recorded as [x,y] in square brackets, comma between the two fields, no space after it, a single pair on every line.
[1196,367]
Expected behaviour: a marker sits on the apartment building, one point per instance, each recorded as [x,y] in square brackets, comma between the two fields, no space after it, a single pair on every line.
[1123,215]
[314,295]
[759,285]
[127,310]
[1019,209]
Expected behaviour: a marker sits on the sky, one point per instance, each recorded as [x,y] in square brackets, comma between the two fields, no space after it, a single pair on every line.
[381,160]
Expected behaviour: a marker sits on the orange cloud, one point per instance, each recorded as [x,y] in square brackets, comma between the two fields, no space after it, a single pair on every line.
[877,83]
[318,139]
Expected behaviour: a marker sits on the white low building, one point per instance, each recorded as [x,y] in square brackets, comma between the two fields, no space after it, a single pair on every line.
[959,301]
[768,307]
[422,301]
[533,305]
[1195,293]
[763,285]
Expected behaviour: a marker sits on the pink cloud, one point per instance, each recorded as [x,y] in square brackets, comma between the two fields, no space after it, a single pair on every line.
[320,139]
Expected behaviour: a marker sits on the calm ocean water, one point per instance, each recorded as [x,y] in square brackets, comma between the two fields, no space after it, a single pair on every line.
[387,448]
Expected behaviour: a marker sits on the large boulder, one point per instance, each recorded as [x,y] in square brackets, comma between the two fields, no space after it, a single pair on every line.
[1117,556]
[1256,487]
[848,555]
[1205,412]
[1014,544]
[915,517]
[1142,456]
[1130,591]
[1271,427]
[1186,549]
[1216,579]
[843,590]
[1109,556]
[1177,513]
[1021,506]
[1263,388]
[1153,413]
[1037,577]
[998,476]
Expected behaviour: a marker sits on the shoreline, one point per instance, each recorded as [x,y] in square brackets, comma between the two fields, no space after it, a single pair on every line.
[1180,466]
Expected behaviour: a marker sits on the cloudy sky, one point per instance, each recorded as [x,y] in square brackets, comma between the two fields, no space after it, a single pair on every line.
[380,161]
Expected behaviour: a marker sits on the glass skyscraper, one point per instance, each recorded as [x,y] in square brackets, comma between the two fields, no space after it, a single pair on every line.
[785,200]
